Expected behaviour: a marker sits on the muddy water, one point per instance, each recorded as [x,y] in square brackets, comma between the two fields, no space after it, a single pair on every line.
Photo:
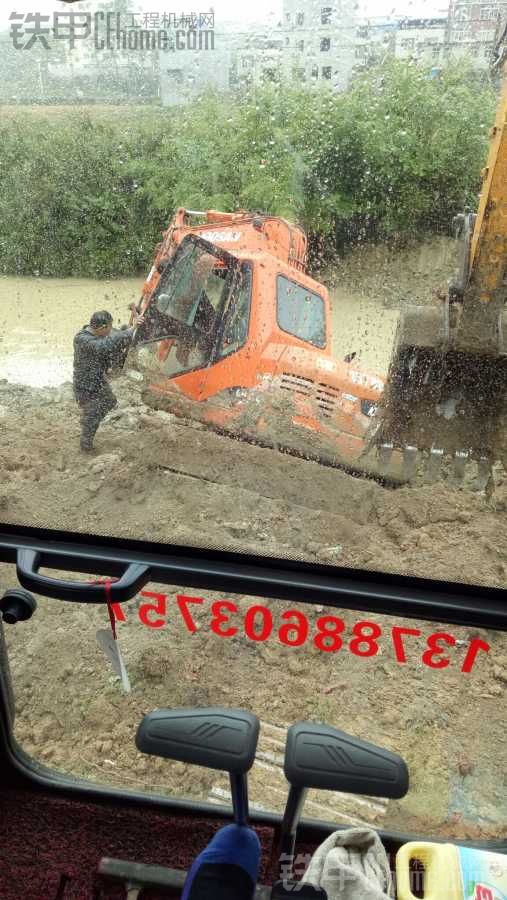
[40,316]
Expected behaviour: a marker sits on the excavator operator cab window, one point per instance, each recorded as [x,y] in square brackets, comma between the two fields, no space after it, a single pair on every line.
[195,280]
[300,312]
[195,296]
[175,280]
[237,316]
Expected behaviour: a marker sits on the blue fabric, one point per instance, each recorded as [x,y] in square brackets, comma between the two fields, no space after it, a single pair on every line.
[234,844]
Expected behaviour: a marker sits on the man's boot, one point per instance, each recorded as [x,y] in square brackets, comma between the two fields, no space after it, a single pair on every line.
[89,427]
[86,442]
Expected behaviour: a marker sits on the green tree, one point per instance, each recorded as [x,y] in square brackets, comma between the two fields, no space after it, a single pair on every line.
[395,156]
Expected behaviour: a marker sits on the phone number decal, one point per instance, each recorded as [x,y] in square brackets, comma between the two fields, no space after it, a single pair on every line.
[328,633]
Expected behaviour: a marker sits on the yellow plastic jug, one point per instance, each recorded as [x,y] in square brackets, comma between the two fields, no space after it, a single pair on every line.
[451,873]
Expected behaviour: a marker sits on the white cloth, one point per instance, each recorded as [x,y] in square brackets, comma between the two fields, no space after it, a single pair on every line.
[352,865]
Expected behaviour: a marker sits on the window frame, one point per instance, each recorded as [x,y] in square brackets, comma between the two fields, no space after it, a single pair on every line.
[448,602]
[216,356]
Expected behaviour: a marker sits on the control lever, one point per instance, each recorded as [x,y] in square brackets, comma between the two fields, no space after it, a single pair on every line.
[318,756]
[223,739]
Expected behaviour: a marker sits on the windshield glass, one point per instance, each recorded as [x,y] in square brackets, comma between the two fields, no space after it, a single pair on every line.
[300,312]
[198,312]
[195,281]
[252,298]
[411,687]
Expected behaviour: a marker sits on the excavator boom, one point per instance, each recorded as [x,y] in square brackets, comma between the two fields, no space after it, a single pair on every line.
[481,327]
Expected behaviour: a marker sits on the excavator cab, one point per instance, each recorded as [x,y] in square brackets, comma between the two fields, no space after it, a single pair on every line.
[199,311]
[241,340]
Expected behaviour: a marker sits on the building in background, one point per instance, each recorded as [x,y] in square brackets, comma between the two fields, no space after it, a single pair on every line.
[231,59]
[423,40]
[185,73]
[320,41]
[375,40]
[472,27]
[317,43]
[325,44]
[312,44]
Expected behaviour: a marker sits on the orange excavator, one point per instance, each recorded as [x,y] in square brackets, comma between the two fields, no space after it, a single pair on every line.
[238,335]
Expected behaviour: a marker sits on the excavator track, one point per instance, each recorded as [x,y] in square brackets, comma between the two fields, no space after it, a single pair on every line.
[268,423]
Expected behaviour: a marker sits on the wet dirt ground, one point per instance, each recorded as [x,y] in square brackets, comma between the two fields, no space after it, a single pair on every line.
[158,478]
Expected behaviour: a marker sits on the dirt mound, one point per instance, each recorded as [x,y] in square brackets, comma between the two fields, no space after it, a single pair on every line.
[160,478]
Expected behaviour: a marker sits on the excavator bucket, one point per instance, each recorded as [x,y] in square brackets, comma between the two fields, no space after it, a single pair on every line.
[444,408]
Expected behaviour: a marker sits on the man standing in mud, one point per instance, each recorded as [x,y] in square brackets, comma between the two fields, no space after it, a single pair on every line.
[96,351]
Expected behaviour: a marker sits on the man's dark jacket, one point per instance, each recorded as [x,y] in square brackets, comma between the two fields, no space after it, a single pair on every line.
[93,356]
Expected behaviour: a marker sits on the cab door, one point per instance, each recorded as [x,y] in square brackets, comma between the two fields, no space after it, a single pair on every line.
[184,321]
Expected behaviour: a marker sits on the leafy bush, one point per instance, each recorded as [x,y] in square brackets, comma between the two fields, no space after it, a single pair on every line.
[88,194]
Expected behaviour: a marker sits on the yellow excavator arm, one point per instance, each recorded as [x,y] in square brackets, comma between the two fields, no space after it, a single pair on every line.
[488,257]
[484,294]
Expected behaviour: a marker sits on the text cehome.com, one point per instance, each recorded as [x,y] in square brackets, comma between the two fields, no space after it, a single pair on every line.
[143,39]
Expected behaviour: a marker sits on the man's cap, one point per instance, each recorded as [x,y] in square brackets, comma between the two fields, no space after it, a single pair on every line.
[100,318]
